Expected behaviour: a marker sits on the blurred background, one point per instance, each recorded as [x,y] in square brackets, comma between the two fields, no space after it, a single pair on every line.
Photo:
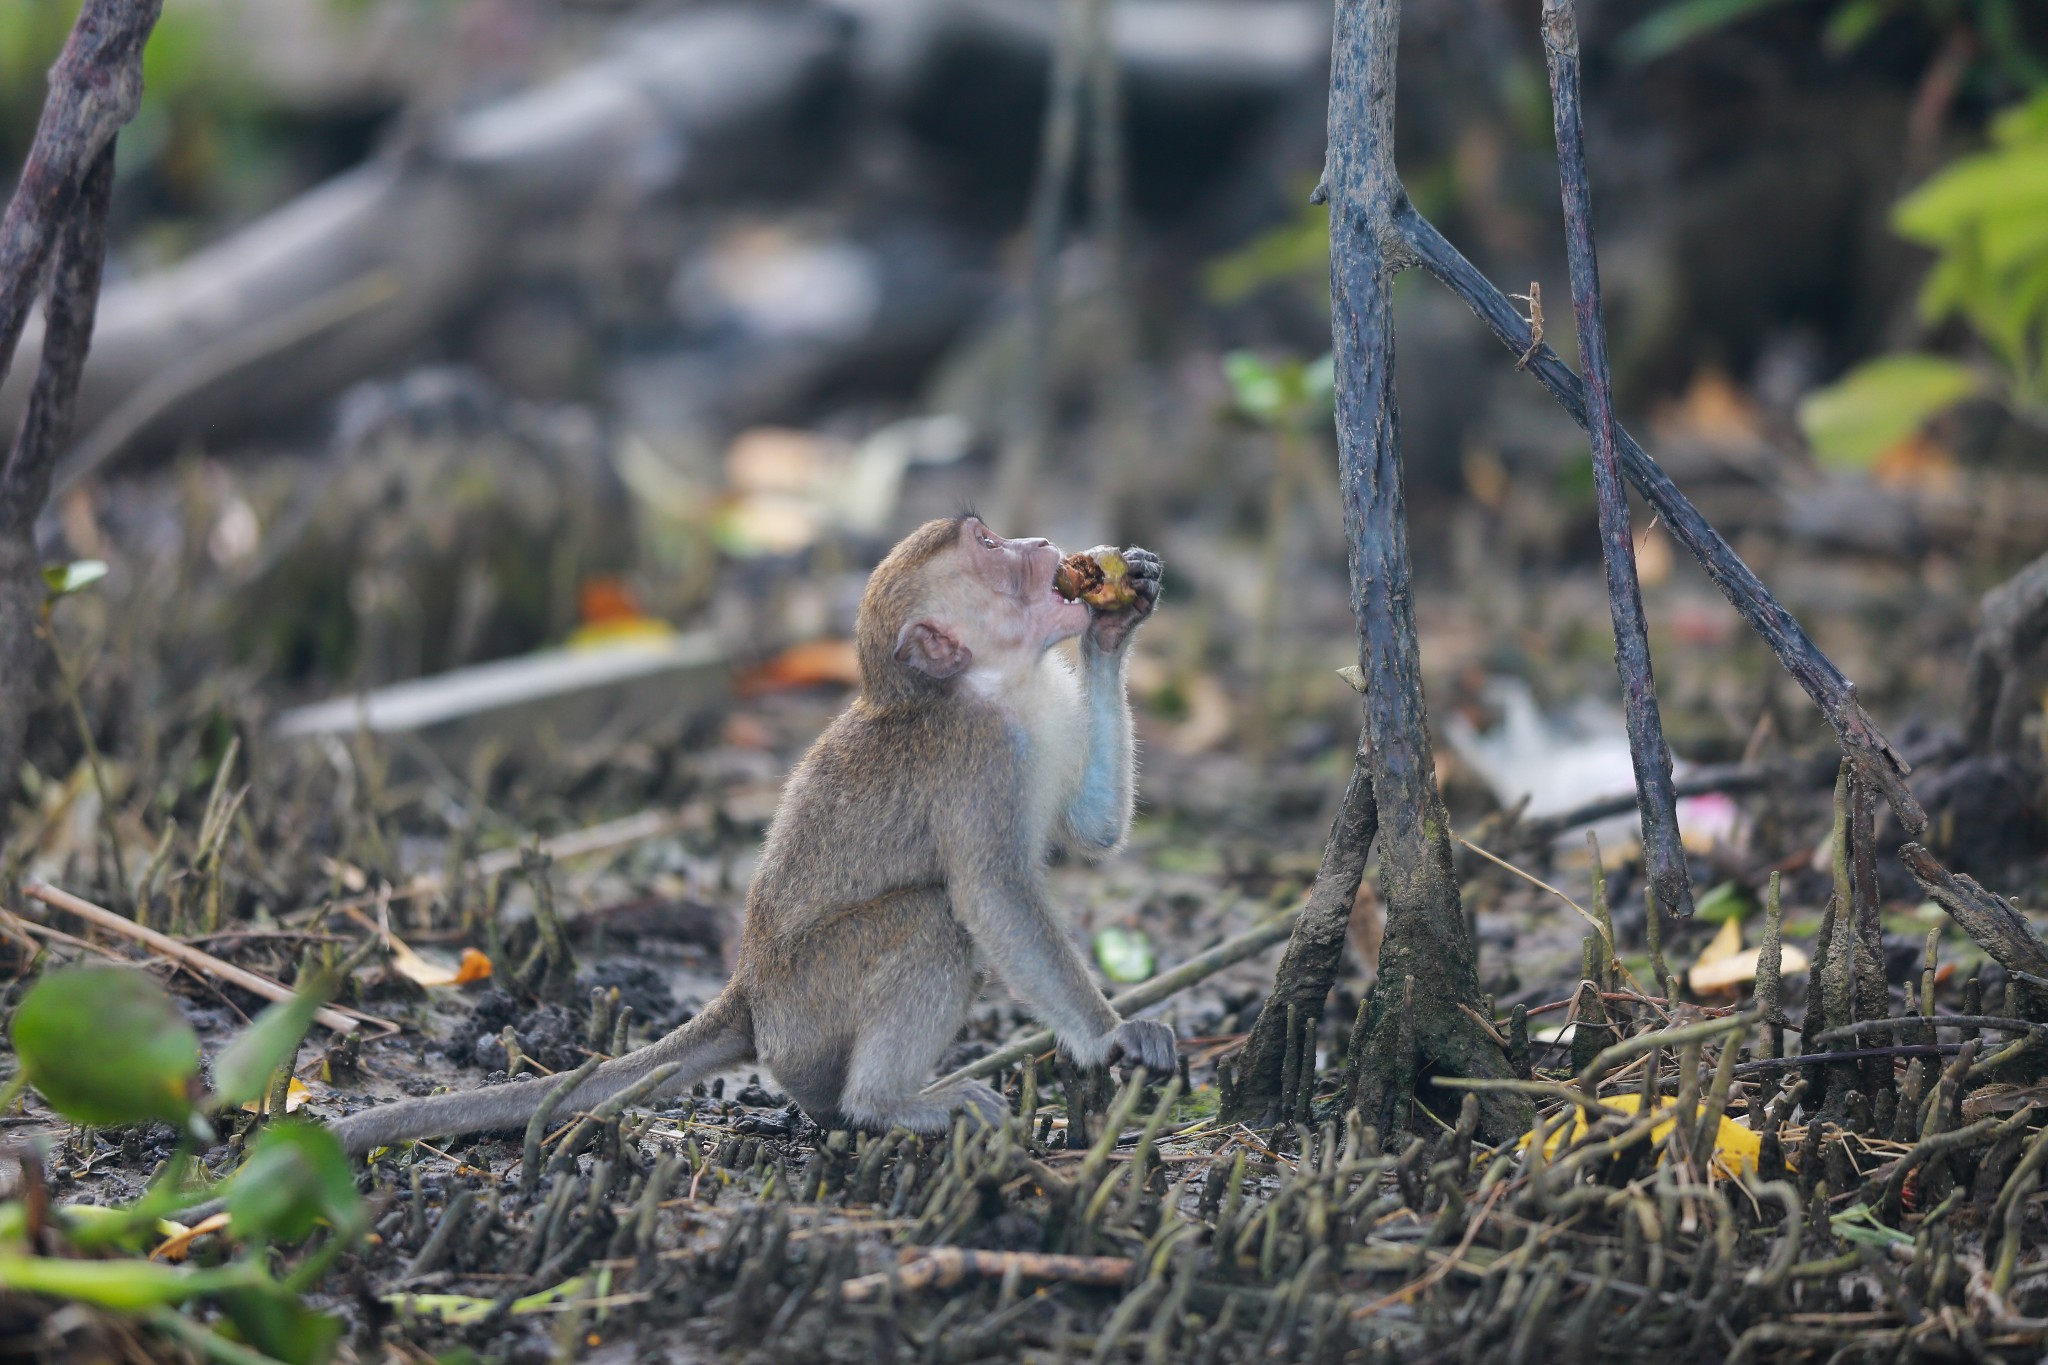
[497,404]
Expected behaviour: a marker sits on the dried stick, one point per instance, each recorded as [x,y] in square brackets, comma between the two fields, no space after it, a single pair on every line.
[1651,756]
[1859,736]
[338,1018]
[945,1267]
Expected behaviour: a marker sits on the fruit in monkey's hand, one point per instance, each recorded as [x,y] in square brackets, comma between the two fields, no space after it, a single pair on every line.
[1102,580]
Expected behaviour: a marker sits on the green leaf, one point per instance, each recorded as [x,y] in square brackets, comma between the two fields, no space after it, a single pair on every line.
[1852,22]
[106,1045]
[1860,1225]
[1258,385]
[295,1178]
[64,579]
[1125,954]
[1723,903]
[243,1070]
[273,1321]
[124,1285]
[1880,403]
[1676,25]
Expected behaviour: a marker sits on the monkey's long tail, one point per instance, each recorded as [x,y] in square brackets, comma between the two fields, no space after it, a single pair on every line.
[722,1036]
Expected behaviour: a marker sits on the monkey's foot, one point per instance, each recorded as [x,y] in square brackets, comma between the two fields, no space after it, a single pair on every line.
[930,1112]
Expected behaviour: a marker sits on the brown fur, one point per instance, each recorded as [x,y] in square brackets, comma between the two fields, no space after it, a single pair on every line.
[907,850]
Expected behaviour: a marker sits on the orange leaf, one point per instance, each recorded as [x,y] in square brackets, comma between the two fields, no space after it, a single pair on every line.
[475,966]
[810,664]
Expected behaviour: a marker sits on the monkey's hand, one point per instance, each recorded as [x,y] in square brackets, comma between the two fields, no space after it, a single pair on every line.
[1144,1042]
[1110,631]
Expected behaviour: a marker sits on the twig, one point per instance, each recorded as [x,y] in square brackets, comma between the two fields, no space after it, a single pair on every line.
[945,1267]
[338,1018]
[1199,968]
[1655,800]
[1763,1064]
[1534,298]
[1973,1021]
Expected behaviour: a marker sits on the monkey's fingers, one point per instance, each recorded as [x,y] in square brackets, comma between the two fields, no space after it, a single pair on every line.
[1147,1043]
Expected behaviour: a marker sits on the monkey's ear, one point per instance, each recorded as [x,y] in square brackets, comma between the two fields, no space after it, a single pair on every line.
[932,649]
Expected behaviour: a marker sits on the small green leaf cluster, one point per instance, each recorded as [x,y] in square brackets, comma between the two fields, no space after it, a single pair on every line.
[1289,394]
[106,1046]
[1986,218]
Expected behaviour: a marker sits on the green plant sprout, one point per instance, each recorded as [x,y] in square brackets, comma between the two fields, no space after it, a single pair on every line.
[1986,218]
[106,1046]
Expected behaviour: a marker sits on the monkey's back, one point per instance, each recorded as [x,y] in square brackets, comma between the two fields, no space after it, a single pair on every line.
[855,821]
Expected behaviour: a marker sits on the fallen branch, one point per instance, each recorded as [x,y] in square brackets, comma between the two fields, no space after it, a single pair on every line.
[1199,968]
[945,1267]
[338,1018]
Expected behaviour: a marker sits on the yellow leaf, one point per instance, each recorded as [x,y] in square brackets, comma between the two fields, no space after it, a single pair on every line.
[413,967]
[1735,1147]
[1727,943]
[296,1093]
[181,1238]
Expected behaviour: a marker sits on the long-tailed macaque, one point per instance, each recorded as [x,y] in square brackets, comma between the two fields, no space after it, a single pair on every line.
[908,851]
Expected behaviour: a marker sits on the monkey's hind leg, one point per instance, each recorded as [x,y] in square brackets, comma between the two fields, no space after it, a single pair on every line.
[911,970]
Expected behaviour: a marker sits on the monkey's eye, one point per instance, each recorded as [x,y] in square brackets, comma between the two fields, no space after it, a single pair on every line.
[988,541]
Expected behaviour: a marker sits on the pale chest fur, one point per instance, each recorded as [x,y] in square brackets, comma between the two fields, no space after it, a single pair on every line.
[1048,717]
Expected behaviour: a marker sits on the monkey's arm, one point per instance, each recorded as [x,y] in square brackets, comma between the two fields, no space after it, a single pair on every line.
[1099,816]
[995,887]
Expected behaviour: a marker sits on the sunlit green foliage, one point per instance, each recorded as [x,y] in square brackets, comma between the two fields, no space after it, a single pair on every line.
[1986,218]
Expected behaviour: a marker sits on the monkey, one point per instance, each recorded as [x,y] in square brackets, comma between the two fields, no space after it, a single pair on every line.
[908,853]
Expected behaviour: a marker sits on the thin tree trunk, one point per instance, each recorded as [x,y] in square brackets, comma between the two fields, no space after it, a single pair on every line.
[56,225]
[1427,956]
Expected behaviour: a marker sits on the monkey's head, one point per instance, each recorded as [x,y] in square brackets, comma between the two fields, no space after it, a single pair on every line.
[954,594]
